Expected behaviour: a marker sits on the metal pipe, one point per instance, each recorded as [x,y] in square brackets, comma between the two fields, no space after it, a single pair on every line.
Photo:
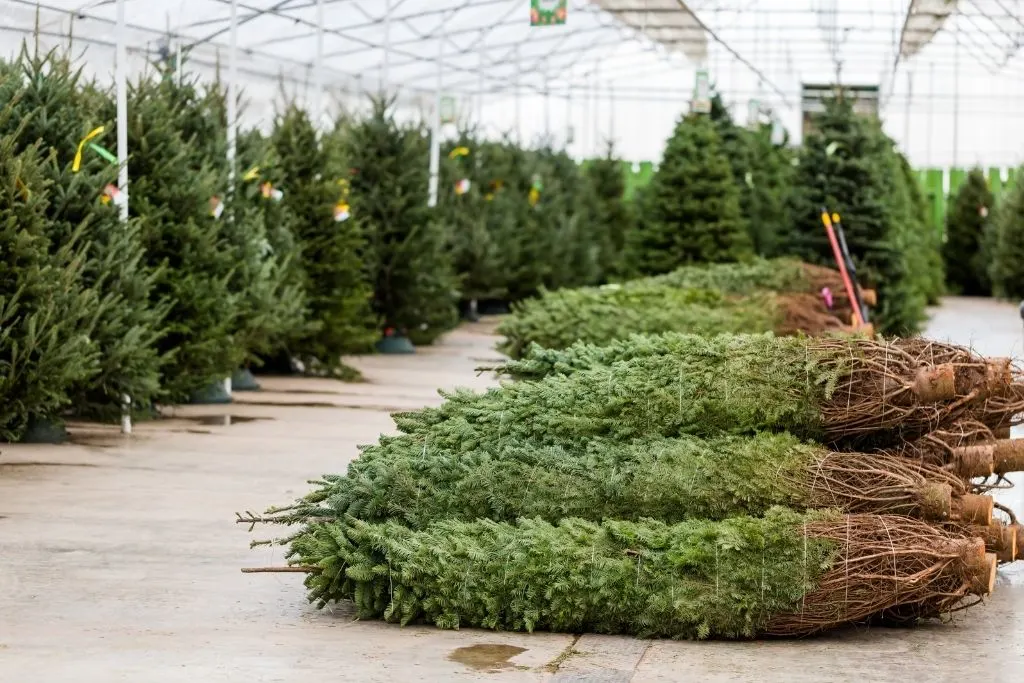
[121,86]
[435,138]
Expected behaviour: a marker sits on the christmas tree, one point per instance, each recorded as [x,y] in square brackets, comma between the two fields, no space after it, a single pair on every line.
[966,224]
[1006,266]
[183,238]
[843,168]
[51,105]
[46,314]
[693,204]
[477,251]
[557,197]
[607,215]
[333,247]
[269,308]
[415,287]
[767,190]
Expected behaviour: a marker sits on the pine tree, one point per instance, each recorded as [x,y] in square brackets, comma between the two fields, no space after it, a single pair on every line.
[334,256]
[52,105]
[1006,268]
[770,181]
[415,287]
[46,315]
[573,245]
[607,215]
[694,204]
[843,167]
[182,237]
[269,308]
[966,224]
[476,248]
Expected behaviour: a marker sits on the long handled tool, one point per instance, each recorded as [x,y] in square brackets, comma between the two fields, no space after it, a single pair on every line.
[850,267]
[851,290]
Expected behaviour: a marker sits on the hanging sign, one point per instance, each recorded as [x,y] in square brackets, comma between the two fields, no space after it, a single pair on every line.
[778,131]
[447,109]
[252,174]
[548,12]
[753,114]
[535,189]
[702,93]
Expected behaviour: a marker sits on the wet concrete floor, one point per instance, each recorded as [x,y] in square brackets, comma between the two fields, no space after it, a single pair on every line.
[120,557]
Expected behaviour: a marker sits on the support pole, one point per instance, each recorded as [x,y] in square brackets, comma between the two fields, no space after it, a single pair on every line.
[956,94]
[121,86]
[585,128]
[318,66]
[519,129]
[931,111]
[906,113]
[547,107]
[435,138]
[386,65]
[597,106]
[480,91]
[611,112]
[232,114]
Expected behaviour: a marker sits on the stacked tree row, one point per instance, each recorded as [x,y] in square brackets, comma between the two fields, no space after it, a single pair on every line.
[682,486]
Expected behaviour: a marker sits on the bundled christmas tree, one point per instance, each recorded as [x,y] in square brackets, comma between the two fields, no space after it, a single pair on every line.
[843,168]
[51,106]
[333,246]
[182,237]
[415,288]
[46,313]
[854,391]
[966,224]
[783,574]
[693,206]
[667,479]
[602,315]
[608,217]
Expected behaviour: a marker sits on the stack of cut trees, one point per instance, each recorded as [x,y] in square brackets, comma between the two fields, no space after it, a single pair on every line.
[681,486]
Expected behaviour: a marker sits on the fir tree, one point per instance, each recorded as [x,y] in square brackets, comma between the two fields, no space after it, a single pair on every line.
[608,217]
[693,203]
[51,105]
[269,308]
[843,168]
[173,194]
[966,224]
[767,191]
[333,250]
[1006,268]
[46,315]
[573,245]
[414,284]
[477,250]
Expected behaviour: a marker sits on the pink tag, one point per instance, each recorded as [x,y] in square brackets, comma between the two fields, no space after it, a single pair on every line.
[826,294]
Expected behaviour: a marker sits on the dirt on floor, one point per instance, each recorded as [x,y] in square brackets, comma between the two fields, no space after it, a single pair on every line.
[120,557]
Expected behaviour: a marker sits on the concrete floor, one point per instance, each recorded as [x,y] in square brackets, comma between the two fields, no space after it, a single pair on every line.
[119,558]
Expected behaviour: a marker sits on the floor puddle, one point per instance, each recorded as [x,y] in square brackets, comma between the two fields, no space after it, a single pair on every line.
[15,465]
[98,439]
[486,656]
[288,404]
[224,420]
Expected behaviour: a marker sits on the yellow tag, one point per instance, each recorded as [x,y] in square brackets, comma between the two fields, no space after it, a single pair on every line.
[25,194]
[458,152]
[252,174]
[81,145]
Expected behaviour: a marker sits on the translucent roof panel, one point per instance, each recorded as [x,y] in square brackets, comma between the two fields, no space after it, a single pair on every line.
[617,69]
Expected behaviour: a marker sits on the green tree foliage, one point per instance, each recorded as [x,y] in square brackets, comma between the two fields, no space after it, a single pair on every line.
[51,105]
[415,287]
[479,249]
[333,252]
[767,191]
[966,224]
[609,219]
[695,579]
[843,167]
[693,207]
[181,236]
[46,314]
[269,308]
[1006,267]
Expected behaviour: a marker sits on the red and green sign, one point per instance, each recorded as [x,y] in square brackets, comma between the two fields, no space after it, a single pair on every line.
[548,12]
